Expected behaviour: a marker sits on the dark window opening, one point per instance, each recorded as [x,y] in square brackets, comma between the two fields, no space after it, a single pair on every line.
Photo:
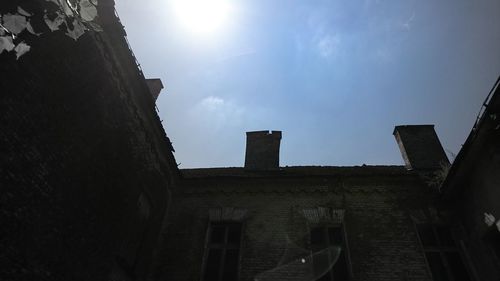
[324,237]
[436,266]
[427,236]
[445,236]
[136,236]
[492,237]
[222,252]
[442,253]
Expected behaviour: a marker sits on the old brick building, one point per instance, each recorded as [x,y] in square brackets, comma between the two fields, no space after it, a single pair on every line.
[266,222]
[90,189]
[412,222]
[247,221]
[86,167]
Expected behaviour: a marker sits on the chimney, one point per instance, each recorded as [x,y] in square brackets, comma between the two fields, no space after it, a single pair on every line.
[420,147]
[154,86]
[263,150]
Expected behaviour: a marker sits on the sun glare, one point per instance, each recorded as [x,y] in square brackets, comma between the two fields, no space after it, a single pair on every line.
[202,16]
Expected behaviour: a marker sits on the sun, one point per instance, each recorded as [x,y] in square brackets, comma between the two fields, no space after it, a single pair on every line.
[202,16]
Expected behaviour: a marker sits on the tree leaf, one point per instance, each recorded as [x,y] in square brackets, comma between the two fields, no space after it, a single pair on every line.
[23,12]
[6,43]
[93,26]
[88,11]
[14,23]
[77,30]
[31,30]
[21,49]
[54,24]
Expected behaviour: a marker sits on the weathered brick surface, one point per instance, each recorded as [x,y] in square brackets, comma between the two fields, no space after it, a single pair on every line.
[80,141]
[381,235]
[420,147]
[263,150]
[472,189]
[475,193]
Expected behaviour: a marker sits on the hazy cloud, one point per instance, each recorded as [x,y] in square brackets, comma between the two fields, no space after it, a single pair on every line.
[383,55]
[212,103]
[218,112]
[247,51]
[328,45]
[407,24]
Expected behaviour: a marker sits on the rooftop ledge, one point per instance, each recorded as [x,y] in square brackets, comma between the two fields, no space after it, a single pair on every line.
[298,171]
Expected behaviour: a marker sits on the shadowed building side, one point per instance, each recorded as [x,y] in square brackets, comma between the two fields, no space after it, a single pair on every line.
[86,167]
[155,86]
[472,187]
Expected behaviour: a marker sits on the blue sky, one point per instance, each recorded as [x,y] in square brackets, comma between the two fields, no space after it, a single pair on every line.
[335,76]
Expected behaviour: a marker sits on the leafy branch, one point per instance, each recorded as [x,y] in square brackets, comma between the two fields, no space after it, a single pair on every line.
[74,16]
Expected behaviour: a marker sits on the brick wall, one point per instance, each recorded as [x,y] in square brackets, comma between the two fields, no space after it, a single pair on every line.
[80,144]
[482,194]
[420,147]
[263,150]
[472,189]
[475,192]
[381,235]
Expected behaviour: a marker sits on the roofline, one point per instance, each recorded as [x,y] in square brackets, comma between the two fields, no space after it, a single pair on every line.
[408,125]
[295,172]
[492,96]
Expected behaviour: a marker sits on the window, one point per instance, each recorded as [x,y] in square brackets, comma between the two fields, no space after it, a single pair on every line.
[442,253]
[137,231]
[324,237]
[222,252]
[492,237]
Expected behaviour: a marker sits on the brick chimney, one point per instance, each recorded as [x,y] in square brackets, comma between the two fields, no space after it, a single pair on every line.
[155,86]
[263,150]
[420,147]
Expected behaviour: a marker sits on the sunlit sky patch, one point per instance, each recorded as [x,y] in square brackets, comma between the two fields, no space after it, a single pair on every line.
[335,76]
[202,16]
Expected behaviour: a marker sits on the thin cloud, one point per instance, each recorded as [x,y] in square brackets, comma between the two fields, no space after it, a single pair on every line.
[218,113]
[242,53]
[212,103]
[384,55]
[370,3]
[326,39]
[328,46]
[407,24]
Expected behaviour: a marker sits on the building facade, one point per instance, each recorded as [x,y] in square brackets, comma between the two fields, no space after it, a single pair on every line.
[265,222]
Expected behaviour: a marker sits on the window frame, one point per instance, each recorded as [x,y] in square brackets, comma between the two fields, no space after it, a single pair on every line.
[442,250]
[137,229]
[345,246]
[224,246]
